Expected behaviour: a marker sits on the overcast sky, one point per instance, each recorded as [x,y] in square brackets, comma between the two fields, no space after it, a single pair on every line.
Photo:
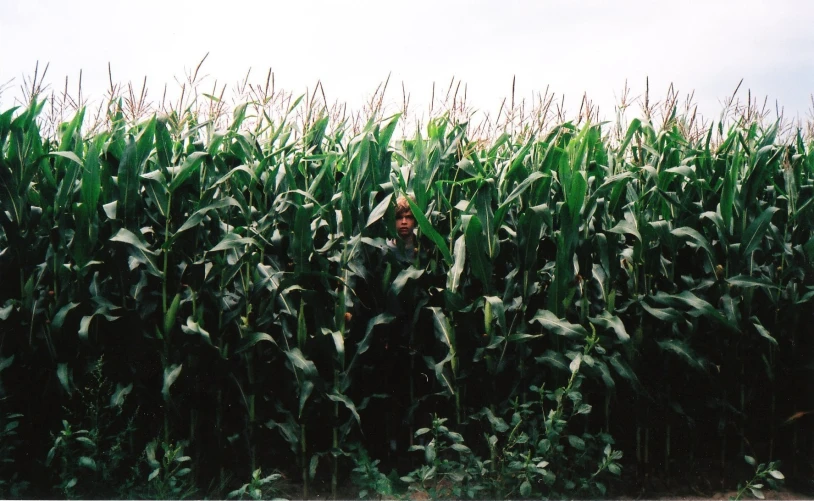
[572,47]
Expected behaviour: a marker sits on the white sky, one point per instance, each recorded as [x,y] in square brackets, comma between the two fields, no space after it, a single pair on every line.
[574,46]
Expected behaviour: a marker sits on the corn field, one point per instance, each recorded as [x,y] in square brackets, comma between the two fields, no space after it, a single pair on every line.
[186,302]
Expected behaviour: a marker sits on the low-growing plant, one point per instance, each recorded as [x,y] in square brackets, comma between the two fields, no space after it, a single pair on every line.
[169,477]
[450,469]
[92,448]
[765,474]
[71,453]
[259,487]
[367,477]
[10,485]
[536,455]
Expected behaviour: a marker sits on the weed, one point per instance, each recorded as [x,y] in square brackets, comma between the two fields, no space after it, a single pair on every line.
[367,477]
[259,487]
[764,473]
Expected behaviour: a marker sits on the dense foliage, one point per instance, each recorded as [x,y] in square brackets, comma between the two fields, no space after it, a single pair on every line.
[184,307]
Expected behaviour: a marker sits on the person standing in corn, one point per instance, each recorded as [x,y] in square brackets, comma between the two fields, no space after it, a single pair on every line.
[404,248]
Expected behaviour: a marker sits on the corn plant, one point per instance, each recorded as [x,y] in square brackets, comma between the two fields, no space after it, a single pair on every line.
[235,275]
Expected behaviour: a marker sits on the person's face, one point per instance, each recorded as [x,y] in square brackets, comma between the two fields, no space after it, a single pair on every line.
[405,223]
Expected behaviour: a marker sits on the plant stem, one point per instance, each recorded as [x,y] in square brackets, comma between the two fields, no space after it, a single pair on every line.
[304,460]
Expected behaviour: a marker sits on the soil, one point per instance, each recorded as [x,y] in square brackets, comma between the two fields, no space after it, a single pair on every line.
[349,492]
[698,484]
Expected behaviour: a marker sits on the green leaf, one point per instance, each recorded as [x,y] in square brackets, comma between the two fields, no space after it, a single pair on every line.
[558,326]
[110,209]
[695,237]
[252,339]
[6,310]
[498,423]
[750,460]
[443,329]
[426,228]
[193,328]
[128,182]
[163,144]
[379,210]
[306,388]
[199,215]
[746,282]
[476,250]
[5,363]
[233,241]
[670,315]
[776,474]
[727,204]
[299,361]
[573,367]
[338,397]
[172,311]
[87,462]
[118,396]
[755,231]
[525,489]
[762,330]
[59,318]
[64,377]
[454,275]
[518,190]
[529,232]
[153,474]
[429,452]
[684,352]
[171,374]
[364,344]
[608,321]
[698,306]
[403,277]
[623,369]
[576,442]
[139,250]
[301,240]
[91,179]
[553,359]
[312,468]
[626,227]
[339,344]
[189,167]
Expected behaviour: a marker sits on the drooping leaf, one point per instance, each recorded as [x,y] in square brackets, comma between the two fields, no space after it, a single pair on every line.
[426,228]
[379,210]
[476,250]
[755,231]
[763,331]
[683,351]
[171,374]
[559,326]
[233,241]
[608,321]
[459,259]
[338,397]
[140,251]
[193,328]
[403,277]
[554,360]
[299,361]
[198,216]
[190,166]
[252,339]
